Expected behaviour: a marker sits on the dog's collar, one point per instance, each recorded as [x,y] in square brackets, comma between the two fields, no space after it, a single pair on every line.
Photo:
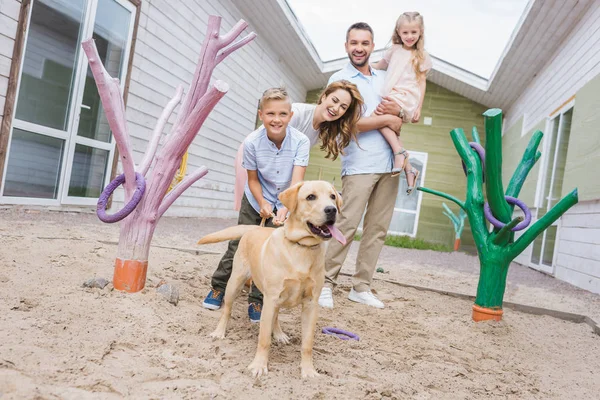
[313,246]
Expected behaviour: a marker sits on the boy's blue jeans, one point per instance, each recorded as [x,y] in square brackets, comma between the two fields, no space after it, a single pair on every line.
[248,216]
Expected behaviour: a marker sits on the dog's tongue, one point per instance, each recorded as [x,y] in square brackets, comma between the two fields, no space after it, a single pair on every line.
[337,234]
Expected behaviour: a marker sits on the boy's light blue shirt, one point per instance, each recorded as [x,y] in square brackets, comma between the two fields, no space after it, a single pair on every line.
[374,156]
[274,166]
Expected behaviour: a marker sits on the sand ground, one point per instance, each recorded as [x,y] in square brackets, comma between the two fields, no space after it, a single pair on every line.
[63,341]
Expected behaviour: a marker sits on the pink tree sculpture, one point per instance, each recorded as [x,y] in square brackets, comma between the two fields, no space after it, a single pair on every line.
[137,228]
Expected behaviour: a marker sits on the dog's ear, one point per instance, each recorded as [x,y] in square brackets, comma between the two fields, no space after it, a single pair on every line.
[338,199]
[289,197]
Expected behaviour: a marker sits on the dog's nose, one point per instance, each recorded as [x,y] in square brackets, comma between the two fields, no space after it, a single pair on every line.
[330,211]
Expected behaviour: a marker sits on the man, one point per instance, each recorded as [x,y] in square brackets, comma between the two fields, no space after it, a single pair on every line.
[366,178]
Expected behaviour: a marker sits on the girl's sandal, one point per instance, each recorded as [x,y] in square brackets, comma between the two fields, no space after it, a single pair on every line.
[398,171]
[415,172]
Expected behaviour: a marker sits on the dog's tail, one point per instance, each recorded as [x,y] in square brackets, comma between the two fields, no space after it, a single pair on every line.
[232,233]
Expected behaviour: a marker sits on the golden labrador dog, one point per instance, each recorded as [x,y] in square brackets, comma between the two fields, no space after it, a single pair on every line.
[286,264]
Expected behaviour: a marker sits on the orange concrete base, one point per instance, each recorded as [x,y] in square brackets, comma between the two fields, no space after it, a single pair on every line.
[130,275]
[456,244]
[485,314]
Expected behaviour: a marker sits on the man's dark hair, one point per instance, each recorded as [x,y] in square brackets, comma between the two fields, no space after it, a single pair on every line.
[360,26]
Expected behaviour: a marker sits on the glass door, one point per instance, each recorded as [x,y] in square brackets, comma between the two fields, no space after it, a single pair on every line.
[59,126]
[91,149]
[550,192]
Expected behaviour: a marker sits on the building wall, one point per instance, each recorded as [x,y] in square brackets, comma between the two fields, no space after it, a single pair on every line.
[169,39]
[577,253]
[576,62]
[572,73]
[9,15]
[444,173]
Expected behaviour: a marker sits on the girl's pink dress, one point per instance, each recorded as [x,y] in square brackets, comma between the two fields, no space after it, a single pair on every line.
[401,81]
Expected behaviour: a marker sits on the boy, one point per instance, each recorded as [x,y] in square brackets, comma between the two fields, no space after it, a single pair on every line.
[275,156]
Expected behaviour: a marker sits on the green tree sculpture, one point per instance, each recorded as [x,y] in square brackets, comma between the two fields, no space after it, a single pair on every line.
[458,221]
[497,249]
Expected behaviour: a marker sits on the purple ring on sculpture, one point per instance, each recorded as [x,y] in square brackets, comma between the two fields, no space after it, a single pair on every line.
[340,333]
[129,207]
[510,200]
[481,153]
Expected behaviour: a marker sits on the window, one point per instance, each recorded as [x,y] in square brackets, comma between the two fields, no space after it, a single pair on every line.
[549,189]
[60,147]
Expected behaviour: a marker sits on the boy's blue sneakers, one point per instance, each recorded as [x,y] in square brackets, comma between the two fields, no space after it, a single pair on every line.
[254,310]
[214,299]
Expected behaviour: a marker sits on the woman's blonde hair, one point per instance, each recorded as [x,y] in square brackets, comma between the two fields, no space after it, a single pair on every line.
[336,135]
[418,52]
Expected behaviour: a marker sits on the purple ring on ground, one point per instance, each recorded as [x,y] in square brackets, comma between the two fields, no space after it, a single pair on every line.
[340,333]
[481,153]
[129,207]
[510,200]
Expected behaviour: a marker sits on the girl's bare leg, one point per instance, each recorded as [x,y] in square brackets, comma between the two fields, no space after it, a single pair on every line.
[396,145]
[410,177]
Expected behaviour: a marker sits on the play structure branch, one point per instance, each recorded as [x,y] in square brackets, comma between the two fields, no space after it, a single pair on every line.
[226,40]
[534,230]
[112,101]
[180,188]
[448,212]
[214,50]
[505,233]
[148,198]
[158,130]
[530,157]
[475,135]
[493,165]
[474,201]
[496,249]
[444,195]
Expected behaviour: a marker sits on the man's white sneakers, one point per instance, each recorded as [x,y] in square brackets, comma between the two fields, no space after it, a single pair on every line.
[367,298]
[326,297]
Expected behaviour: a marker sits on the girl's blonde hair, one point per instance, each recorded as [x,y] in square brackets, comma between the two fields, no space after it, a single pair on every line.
[336,135]
[419,47]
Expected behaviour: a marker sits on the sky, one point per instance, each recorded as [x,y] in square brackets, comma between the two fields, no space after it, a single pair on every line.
[471,34]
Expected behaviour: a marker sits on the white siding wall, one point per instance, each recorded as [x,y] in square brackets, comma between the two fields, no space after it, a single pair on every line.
[578,252]
[169,39]
[577,255]
[9,15]
[575,63]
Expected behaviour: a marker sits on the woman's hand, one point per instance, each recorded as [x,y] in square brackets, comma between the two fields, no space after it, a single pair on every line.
[281,216]
[266,210]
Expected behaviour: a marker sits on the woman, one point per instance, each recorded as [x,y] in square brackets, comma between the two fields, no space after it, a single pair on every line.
[332,122]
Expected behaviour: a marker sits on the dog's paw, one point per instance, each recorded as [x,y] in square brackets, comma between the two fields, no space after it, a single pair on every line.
[258,368]
[309,372]
[281,337]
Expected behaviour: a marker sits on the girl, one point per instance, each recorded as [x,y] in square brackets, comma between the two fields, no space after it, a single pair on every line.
[331,122]
[407,64]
